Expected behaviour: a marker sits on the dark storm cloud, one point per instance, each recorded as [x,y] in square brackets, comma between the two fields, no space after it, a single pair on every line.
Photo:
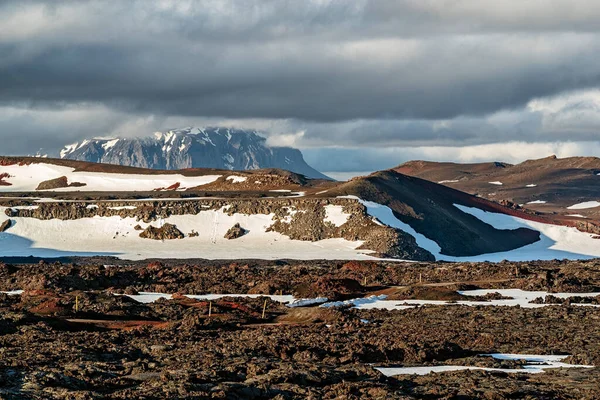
[362,72]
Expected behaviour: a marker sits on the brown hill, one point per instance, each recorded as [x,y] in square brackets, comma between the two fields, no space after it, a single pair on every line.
[429,209]
[549,185]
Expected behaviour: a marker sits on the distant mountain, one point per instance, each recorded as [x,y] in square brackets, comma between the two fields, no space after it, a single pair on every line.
[220,148]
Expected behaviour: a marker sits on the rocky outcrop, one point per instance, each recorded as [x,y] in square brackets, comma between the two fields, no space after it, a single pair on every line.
[3,178]
[58,183]
[165,232]
[5,225]
[235,232]
[299,218]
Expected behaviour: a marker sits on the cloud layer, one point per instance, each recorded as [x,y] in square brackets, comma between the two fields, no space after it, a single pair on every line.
[315,74]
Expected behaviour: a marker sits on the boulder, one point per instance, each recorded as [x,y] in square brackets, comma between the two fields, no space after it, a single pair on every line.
[5,225]
[235,232]
[57,183]
[167,231]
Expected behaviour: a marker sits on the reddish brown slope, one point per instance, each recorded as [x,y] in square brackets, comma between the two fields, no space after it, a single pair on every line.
[559,182]
[429,209]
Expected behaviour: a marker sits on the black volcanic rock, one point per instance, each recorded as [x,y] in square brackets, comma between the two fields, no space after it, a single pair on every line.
[219,148]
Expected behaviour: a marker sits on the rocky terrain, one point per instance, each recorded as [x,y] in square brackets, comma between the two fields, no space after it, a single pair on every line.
[547,185]
[73,332]
[386,214]
[219,148]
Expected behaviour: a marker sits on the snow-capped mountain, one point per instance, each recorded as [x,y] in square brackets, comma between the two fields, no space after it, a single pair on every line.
[221,148]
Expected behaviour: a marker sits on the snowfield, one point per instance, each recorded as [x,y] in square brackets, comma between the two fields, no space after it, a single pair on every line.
[556,242]
[584,205]
[115,236]
[26,178]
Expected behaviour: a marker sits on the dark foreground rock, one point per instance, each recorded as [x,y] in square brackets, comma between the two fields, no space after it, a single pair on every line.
[113,347]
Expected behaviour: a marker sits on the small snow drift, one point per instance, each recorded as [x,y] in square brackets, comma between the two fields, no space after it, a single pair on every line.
[236,179]
[497,183]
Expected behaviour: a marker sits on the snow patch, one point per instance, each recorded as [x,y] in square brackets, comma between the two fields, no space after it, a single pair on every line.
[534,364]
[109,144]
[537,202]
[556,242]
[449,181]
[236,179]
[584,205]
[496,183]
[335,214]
[515,297]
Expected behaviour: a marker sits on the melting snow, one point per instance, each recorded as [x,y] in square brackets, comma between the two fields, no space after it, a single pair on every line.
[584,205]
[534,364]
[496,183]
[289,300]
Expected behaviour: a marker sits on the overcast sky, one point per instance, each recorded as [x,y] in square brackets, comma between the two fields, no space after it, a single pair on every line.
[357,85]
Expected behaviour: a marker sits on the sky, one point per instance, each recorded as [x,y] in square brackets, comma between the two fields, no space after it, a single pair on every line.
[357,85]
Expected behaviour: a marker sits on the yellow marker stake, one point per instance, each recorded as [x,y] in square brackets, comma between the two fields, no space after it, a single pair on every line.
[264,309]
[76,303]
[209,308]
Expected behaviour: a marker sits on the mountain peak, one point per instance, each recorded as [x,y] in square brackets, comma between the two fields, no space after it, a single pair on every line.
[191,147]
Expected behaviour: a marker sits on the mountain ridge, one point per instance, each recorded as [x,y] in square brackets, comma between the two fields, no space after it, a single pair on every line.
[215,147]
